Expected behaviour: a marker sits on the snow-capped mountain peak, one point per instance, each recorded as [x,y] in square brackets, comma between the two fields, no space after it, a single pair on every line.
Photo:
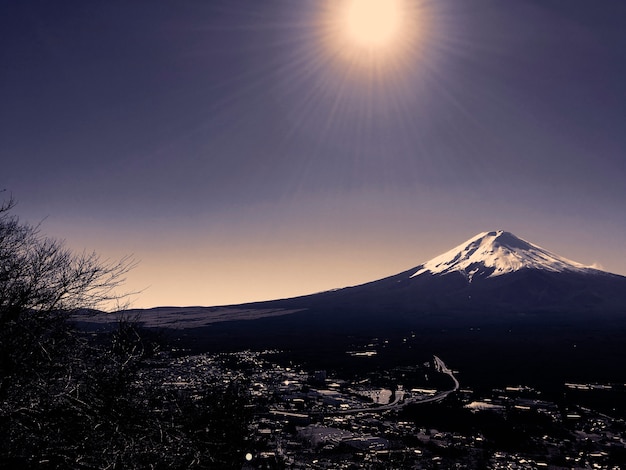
[491,254]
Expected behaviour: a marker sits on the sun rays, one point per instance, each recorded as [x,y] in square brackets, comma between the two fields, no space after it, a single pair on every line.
[356,67]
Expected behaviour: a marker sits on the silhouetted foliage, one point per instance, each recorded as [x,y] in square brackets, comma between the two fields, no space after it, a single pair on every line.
[68,400]
[41,283]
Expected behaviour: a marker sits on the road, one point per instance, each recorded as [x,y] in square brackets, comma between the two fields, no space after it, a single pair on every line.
[399,398]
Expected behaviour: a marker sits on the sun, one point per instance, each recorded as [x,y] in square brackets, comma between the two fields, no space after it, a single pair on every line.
[373,24]
[374,35]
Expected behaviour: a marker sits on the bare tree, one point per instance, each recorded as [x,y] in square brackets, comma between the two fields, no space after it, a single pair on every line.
[70,400]
[39,274]
[42,282]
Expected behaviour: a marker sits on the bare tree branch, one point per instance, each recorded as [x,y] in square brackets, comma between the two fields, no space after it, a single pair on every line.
[40,274]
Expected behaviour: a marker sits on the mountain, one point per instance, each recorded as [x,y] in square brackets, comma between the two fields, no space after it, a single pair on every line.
[497,306]
[493,272]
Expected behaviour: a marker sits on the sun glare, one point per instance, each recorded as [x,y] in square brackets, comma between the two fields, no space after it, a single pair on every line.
[364,62]
[380,35]
[373,23]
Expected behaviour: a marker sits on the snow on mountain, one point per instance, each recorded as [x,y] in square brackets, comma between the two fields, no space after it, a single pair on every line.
[491,254]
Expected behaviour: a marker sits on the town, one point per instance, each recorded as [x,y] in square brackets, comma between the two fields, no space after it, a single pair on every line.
[416,417]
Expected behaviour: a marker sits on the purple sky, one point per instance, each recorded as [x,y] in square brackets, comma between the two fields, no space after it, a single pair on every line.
[225,145]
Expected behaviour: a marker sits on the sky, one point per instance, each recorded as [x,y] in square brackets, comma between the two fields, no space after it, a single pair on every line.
[247,150]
